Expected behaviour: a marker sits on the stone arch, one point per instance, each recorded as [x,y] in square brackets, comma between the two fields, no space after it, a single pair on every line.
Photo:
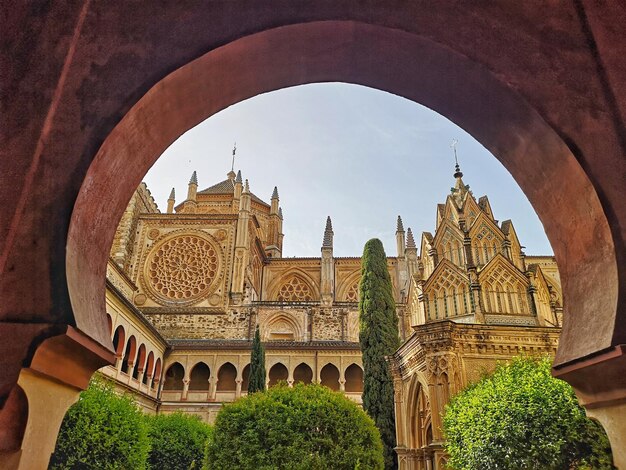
[119,340]
[149,370]
[303,374]
[140,362]
[245,378]
[418,412]
[227,378]
[278,373]
[345,290]
[174,376]
[354,378]
[282,326]
[199,377]
[329,376]
[128,360]
[156,377]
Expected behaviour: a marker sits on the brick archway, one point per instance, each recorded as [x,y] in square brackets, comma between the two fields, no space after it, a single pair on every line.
[551,111]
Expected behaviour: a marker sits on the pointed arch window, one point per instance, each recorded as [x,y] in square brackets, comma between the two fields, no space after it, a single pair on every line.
[295,290]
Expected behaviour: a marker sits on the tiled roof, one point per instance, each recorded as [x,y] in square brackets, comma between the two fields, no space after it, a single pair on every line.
[228,187]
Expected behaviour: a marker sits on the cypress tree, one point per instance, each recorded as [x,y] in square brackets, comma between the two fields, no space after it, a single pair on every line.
[256,382]
[379,338]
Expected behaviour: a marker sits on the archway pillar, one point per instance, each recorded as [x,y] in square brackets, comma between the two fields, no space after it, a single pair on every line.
[600,384]
[60,368]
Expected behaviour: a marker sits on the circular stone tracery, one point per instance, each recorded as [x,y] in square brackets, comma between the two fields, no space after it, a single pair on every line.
[182,268]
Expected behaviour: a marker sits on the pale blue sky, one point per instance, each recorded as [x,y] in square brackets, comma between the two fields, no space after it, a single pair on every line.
[357,154]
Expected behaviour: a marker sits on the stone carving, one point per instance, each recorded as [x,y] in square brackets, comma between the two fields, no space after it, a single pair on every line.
[182,268]
[295,290]
[353,293]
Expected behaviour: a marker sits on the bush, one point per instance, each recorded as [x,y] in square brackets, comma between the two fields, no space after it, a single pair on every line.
[521,417]
[304,427]
[103,430]
[178,441]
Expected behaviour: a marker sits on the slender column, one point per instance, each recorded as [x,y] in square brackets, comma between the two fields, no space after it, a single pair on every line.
[238,389]
[185,388]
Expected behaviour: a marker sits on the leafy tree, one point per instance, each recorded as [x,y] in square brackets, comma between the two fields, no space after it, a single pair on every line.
[379,338]
[103,430]
[178,441]
[256,382]
[521,417]
[305,427]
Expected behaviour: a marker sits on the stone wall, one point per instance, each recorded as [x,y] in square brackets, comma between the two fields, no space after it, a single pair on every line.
[231,325]
[327,324]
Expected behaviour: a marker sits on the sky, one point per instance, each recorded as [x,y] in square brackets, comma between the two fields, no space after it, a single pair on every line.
[356,154]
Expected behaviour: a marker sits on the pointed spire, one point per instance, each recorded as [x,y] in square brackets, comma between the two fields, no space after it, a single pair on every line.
[410,241]
[328,234]
[246,187]
[457,169]
[172,194]
[275,193]
[194,178]
[399,227]
[238,179]
[280,212]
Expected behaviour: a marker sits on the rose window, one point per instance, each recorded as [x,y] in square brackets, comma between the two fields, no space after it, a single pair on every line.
[182,268]
[296,290]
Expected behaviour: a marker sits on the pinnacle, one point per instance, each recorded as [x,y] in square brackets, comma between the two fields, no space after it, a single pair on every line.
[275,193]
[246,187]
[328,234]
[400,227]
[172,194]
[238,179]
[280,212]
[410,241]
[194,178]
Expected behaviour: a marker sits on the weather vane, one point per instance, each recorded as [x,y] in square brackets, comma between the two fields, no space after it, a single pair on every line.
[232,167]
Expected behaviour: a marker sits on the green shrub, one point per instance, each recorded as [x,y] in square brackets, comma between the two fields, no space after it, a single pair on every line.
[521,417]
[304,427]
[103,430]
[177,441]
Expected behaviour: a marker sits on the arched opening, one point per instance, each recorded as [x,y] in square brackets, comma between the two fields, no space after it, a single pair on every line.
[245,377]
[129,354]
[174,377]
[147,376]
[302,374]
[354,378]
[227,378]
[119,340]
[278,373]
[140,362]
[329,377]
[156,377]
[199,377]
[110,323]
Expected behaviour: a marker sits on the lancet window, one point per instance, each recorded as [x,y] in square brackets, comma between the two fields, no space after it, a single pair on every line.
[448,296]
[505,293]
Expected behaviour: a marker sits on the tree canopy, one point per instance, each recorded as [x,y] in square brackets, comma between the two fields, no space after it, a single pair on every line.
[178,441]
[521,417]
[103,430]
[379,338]
[256,382]
[304,427]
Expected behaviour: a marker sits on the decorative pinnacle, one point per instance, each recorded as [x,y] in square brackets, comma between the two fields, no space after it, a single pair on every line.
[275,193]
[457,169]
[280,212]
[328,234]
[246,187]
[172,195]
[194,178]
[238,179]
[400,227]
[410,241]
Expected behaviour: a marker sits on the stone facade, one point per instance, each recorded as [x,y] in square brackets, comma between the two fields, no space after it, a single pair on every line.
[186,289]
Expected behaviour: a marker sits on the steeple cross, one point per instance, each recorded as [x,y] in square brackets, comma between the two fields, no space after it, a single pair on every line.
[232,167]
[453,146]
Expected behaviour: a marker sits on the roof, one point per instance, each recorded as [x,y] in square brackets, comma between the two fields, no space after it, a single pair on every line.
[228,187]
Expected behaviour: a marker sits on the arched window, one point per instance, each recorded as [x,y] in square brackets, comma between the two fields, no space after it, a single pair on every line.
[227,378]
[295,290]
[129,355]
[278,373]
[119,339]
[140,362]
[156,377]
[302,374]
[199,377]
[174,377]
[329,376]
[354,378]
[149,368]
[245,376]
